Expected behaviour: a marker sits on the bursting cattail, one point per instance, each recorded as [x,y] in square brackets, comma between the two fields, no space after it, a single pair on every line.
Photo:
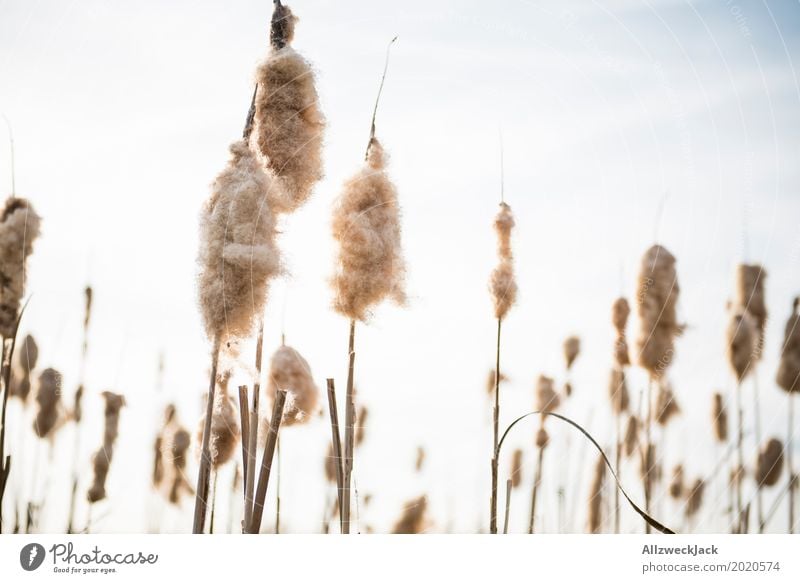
[719,418]
[657,295]
[48,398]
[19,228]
[361,424]
[666,406]
[490,381]
[620,311]
[27,358]
[502,282]
[547,399]
[412,520]
[694,500]
[676,487]
[366,224]
[290,371]
[289,123]
[788,377]
[238,256]
[596,496]
[516,468]
[618,391]
[750,297]
[572,347]
[101,461]
[224,434]
[742,343]
[770,463]
[631,436]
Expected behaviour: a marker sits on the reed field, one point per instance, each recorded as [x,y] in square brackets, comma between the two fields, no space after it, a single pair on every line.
[314,267]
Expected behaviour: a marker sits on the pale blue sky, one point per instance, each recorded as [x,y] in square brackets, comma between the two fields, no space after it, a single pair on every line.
[123,113]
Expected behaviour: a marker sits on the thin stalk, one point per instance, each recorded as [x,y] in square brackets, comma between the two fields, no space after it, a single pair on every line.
[244,420]
[278,488]
[648,480]
[349,441]
[790,464]
[740,457]
[535,491]
[508,506]
[266,462]
[337,447]
[201,497]
[495,433]
[617,463]
[378,98]
[250,475]
[757,426]
[213,502]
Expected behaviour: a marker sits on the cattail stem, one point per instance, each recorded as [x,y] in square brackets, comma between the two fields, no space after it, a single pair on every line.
[757,426]
[508,506]
[278,488]
[203,474]
[789,462]
[740,458]
[244,420]
[337,447]
[535,491]
[252,436]
[648,479]
[349,434]
[495,432]
[617,463]
[213,503]
[266,462]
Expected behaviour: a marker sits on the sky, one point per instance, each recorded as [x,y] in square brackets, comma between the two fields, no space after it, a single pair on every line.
[609,110]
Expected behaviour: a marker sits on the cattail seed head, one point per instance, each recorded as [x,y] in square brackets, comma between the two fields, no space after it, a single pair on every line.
[542,438]
[620,310]
[225,433]
[238,256]
[657,295]
[48,399]
[666,406]
[572,347]
[289,122]
[27,356]
[547,399]
[750,297]
[101,461]
[676,483]
[502,283]
[291,372]
[631,436]
[177,441]
[719,418]
[618,391]
[788,377]
[490,381]
[19,228]
[366,224]
[742,343]
[694,501]
[516,468]
[413,519]
[770,463]
[596,496]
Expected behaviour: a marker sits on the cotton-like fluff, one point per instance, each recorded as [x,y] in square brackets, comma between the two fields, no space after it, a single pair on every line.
[101,461]
[225,430]
[547,399]
[657,298]
[516,468]
[719,418]
[742,343]
[631,436]
[788,377]
[618,391]
[238,256]
[572,348]
[750,296]
[694,500]
[366,224]
[502,283]
[666,406]
[676,486]
[27,357]
[289,122]
[620,311]
[413,519]
[19,228]
[596,496]
[770,463]
[48,399]
[290,371]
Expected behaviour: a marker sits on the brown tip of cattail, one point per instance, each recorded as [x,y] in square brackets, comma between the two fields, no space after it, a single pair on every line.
[490,381]
[770,463]
[542,438]
[282,30]
[412,520]
[750,297]
[618,391]
[572,348]
[719,418]
[516,468]
[547,399]
[101,461]
[88,294]
[742,343]
[676,487]
[567,389]
[291,372]
[788,377]
[620,311]
[694,500]
[77,405]
[631,436]
[596,496]
[28,354]
[649,468]
[666,407]
[48,398]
